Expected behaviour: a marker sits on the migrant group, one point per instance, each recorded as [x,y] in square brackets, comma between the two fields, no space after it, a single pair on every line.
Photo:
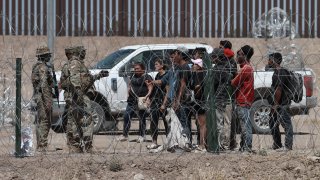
[178,92]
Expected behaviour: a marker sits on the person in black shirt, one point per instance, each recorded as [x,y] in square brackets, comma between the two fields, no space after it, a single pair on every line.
[139,87]
[280,103]
[221,82]
[227,49]
[198,76]
[183,98]
[157,107]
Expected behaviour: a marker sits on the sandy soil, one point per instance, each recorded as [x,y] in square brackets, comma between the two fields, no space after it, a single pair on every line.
[275,165]
[130,160]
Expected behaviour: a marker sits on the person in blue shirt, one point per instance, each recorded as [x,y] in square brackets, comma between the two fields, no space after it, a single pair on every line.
[179,94]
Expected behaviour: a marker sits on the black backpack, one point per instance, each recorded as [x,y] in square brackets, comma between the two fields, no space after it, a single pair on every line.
[294,86]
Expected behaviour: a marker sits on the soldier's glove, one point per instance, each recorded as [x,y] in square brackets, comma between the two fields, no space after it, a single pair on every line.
[79,92]
[103,74]
[80,99]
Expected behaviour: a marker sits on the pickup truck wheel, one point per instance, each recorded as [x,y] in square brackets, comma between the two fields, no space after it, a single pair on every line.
[62,127]
[260,116]
[110,125]
[97,116]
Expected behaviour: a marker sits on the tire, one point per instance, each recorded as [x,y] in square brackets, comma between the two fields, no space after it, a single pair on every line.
[110,125]
[260,116]
[62,126]
[98,116]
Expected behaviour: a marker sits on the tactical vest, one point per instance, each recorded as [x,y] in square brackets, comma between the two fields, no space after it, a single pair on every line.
[35,77]
[86,79]
[65,78]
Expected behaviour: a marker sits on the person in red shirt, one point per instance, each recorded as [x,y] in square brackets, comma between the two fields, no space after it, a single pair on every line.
[244,84]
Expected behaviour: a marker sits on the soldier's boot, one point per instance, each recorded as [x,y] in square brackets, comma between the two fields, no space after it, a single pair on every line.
[75,145]
[89,149]
[74,149]
[41,148]
[87,144]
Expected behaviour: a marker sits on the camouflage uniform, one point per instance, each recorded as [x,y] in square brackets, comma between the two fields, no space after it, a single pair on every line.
[42,82]
[76,80]
[73,137]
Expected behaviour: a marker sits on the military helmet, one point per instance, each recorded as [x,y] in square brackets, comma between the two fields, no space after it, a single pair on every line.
[80,48]
[68,50]
[75,49]
[42,51]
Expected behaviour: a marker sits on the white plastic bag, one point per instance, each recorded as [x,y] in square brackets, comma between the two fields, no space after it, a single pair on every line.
[175,137]
[26,141]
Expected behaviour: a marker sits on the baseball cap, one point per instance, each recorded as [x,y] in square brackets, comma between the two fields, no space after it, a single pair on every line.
[182,49]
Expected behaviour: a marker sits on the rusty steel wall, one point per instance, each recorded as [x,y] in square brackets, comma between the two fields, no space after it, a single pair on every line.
[157,18]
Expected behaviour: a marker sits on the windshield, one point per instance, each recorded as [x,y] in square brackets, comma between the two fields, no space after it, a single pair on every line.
[113,59]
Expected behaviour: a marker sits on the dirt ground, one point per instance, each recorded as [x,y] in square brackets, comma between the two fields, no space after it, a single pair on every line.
[130,160]
[275,165]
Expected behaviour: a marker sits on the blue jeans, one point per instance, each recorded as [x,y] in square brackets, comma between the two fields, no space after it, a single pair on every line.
[130,111]
[243,114]
[281,116]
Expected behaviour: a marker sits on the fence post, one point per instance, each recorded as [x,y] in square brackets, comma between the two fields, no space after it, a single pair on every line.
[3,99]
[211,122]
[290,24]
[266,28]
[18,108]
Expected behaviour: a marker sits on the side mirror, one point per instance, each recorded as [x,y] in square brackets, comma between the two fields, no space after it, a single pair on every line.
[126,70]
[122,73]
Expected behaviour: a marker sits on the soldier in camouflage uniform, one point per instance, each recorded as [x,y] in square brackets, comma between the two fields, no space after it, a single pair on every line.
[73,137]
[76,80]
[42,82]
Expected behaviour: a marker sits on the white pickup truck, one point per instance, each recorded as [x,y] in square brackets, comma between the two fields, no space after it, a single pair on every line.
[112,90]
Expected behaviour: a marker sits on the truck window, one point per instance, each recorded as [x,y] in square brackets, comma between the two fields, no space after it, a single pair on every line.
[159,54]
[147,58]
[127,68]
[154,55]
[113,59]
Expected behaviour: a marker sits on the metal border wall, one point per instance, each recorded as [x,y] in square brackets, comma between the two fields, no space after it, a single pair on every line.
[157,18]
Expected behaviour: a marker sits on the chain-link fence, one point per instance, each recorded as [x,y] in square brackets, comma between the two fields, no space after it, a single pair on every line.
[147,154]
